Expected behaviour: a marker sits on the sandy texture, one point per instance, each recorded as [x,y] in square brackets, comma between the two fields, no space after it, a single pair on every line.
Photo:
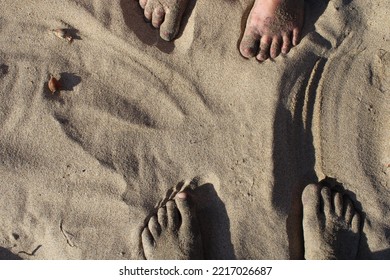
[81,172]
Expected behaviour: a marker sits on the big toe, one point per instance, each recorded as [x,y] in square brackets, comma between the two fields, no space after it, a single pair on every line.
[249,45]
[186,208]
[170,27]
[189,230]
[311,200]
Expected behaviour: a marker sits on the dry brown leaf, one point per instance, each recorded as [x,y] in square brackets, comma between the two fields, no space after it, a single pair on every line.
[53,84]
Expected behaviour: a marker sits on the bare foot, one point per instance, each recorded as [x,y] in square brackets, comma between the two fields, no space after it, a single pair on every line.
[165,14]
[173,233]
[331,226]
[273,26]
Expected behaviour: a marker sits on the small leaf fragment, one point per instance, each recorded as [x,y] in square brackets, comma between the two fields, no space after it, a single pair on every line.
[63,34]
[53,84]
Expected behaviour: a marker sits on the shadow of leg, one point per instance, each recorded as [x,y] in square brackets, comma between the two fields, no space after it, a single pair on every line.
[6,254]
[214,224]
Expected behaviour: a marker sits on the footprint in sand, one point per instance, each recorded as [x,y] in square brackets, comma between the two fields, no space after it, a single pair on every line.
[173,232]
[331,225]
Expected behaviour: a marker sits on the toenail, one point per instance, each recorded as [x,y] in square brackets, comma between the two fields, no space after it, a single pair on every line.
[248,51]
[168,35]
[182,195]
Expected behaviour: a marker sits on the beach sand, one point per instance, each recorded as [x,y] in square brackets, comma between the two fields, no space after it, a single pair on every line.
[81,170]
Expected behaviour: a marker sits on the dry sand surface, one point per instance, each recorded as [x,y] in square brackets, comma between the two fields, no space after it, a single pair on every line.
[81,170]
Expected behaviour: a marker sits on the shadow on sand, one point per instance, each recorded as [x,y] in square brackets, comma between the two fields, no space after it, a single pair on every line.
[294,155]
[214,224]
[6,254]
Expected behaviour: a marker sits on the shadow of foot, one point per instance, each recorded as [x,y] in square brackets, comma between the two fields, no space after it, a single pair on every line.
[6,254]
[214,222]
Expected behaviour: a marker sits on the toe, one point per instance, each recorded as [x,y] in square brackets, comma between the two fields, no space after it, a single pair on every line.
[189,229]
[186,207]
[249,45]
[286,43]
[148,11]
[355,224]
[275,46]
[311,199]
[147,242]
[158,16]
[265,45]
[170,27]
[326,200]
[162,217]
[173,215]
[183,196]
[338,203]
[154,227]
[296,36]
[142,3]
[349,210]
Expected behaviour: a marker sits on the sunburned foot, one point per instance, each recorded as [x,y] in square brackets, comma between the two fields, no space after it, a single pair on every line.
[173,233]
[165,14]
[331,226]
[273,27]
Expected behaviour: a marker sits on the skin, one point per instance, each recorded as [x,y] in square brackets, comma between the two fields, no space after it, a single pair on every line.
[331,227]
[331,224]
[173,232]
[272,28]
[165,14]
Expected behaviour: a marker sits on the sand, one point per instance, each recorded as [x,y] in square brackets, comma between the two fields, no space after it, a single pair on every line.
[80,171]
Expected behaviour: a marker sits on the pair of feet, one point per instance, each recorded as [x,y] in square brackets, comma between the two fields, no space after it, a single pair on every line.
[331,227]
[272,28]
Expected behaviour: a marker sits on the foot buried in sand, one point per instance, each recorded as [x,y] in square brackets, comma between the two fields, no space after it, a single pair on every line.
[165,14]
[173,233]
[273,27]
[331,225]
